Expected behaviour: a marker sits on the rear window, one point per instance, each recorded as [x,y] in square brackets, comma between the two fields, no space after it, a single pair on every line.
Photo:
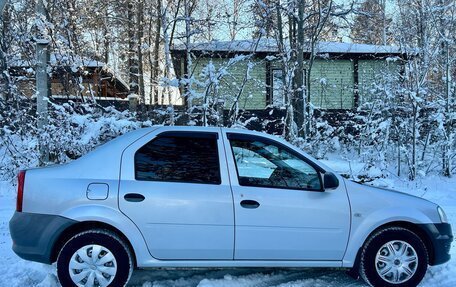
[179,157]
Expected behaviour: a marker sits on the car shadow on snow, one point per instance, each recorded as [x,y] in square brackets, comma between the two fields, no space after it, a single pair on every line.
[255,277]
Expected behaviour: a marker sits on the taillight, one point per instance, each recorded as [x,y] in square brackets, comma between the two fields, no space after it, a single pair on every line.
[20,190]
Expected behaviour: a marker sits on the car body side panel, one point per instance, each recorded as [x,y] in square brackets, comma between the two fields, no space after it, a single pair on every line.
[112,216]
[180,220]
[54,189]
[289,224]
[373,207]
[46,195]
[61,190]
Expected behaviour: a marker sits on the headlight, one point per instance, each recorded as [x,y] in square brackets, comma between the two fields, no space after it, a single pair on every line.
[442,214]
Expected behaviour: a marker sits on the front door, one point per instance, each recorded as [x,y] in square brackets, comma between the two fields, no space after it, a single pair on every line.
[175,188]
[281,211]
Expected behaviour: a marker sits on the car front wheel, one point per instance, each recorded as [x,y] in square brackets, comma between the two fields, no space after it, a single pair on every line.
[394,256]
[94,258]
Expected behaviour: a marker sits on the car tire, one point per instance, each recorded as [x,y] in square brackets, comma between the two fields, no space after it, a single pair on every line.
[393,256]
[76,263]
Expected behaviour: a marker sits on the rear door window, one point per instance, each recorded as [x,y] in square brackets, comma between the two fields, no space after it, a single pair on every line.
[190,157]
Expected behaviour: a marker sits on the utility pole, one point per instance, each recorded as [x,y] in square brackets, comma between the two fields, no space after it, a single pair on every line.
[42,79]
[299,101]
[3,77]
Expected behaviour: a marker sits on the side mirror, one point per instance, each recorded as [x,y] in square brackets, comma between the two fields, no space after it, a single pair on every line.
[330,181]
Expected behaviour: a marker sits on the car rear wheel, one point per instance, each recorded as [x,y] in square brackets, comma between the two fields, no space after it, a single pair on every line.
[394,256]
[94,258]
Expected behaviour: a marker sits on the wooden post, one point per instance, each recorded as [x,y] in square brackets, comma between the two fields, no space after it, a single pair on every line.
[42,83]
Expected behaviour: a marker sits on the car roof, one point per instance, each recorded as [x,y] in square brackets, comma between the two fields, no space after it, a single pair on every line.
[223,129]
[214,129]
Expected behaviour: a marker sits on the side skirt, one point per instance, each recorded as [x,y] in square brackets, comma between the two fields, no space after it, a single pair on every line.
[236,263]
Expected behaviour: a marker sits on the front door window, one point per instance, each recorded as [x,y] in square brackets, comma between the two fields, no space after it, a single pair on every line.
[263,163]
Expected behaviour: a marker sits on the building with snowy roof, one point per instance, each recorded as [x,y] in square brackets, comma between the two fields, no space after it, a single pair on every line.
[341,77]
[73,78]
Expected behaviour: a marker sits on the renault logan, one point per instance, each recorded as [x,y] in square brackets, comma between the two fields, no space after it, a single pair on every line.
[215,197]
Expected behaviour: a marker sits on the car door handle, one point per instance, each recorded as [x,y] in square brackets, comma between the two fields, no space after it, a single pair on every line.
[134,197]
[250,204]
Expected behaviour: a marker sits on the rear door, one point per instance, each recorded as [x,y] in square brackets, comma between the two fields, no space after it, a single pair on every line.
[175,188]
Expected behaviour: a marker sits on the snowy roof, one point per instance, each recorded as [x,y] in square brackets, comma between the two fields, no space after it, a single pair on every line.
[60,59]
[108,70]
[270,46]
[74,62]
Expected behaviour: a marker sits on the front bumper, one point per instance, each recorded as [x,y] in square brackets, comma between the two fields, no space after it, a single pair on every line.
[441,237]
[34,235]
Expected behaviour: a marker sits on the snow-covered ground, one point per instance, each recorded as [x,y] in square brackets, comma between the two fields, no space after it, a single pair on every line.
[17,272]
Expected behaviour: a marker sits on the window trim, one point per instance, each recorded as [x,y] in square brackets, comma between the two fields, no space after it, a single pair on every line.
[246,137]
[184,134]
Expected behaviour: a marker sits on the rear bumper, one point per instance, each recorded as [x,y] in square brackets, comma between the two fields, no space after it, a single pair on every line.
[34,235]
[441,237]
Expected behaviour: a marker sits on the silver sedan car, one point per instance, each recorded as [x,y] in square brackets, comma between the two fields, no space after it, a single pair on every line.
[216,197]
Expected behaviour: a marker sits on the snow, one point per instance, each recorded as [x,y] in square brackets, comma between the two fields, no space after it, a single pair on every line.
[56,58]
[74,62]
[17,272]
[269,45]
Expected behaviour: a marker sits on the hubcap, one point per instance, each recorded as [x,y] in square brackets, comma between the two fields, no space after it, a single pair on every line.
[396,262]
[92,265]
